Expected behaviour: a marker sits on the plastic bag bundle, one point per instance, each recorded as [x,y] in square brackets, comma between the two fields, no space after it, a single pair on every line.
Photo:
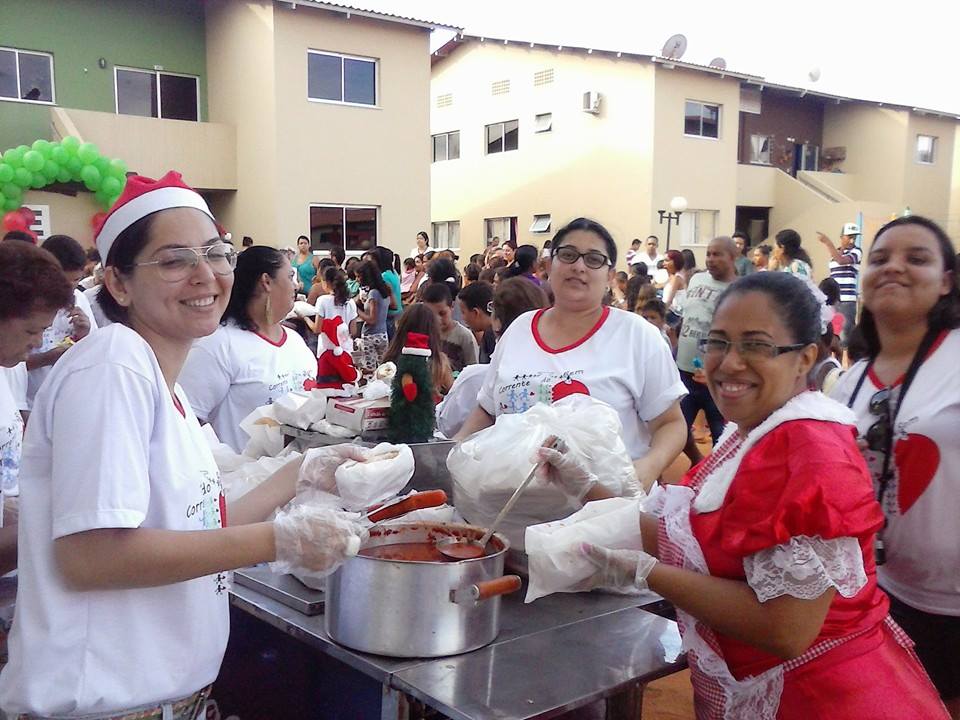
[241,480]
[488,466]
[263,428]
[385,473]
[555,561]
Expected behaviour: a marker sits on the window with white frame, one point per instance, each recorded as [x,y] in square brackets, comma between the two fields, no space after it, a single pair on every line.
[351,227]
[501,228]
[446,146]
[698,227]
[26,75]
[926,149]
[760,149]
[332,77]
[701,119]
[541,224]
[151,93]
[543,123]
[446,235]
[503,136]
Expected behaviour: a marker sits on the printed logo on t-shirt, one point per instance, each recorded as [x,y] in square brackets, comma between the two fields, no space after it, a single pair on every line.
[286,382]
[547,387]
[210,509]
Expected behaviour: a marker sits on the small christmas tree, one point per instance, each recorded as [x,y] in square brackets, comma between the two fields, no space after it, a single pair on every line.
[412,409]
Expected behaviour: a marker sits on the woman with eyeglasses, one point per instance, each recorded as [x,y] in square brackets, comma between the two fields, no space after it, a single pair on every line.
[252,359]
[906,394]
[122,602]
[766,547]
[581,346]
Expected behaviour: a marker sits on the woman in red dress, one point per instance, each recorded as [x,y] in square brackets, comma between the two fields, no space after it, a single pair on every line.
[766,547]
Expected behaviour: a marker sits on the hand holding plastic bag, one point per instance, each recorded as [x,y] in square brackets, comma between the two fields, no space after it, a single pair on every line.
[564,470]
[314,541]
[616,569]
[318,471]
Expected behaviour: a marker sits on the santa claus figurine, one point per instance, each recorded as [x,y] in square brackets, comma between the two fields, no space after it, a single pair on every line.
[335,367]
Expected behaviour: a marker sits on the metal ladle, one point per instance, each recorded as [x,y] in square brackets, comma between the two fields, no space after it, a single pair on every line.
[465,549]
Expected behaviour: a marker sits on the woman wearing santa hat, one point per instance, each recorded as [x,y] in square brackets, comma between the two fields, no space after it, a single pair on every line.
[251,360]
[124,542]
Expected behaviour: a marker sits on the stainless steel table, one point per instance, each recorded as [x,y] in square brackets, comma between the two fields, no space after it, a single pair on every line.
[556,654]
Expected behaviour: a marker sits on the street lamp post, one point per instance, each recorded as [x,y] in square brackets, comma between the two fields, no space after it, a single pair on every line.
[678,205]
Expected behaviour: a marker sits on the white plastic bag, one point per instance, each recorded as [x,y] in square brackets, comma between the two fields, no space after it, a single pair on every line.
[555,561]
[362,484]
[488,466]
[375,389]
[262,426]
[301,409]
[241,480]
[226,458]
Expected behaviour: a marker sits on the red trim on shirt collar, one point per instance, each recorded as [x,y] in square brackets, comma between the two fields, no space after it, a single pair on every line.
[275,344]
[535,326]
[933,348]
[179,406]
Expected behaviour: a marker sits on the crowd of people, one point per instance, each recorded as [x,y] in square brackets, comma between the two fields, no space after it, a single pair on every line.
[811,555]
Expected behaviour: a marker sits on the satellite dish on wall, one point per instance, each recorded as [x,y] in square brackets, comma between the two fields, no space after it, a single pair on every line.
[675,47]
[814,74]
[719,63]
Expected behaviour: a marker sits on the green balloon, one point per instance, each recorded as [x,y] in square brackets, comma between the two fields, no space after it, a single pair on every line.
[74,165]
[10,205]
[10,191]
[110,186]
[38,181]
[91,178]
[50,170]
[42,147]
[118,168]
[103,165]
[22,177]
[13,158]
[23,149]
[112,201]
[63,176]
[6,173]
[59,155]
[33,161]
[70,144]
[88,153]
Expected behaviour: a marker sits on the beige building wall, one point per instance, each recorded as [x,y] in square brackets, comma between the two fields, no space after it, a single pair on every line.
[242,92]
[703,170]
[953,219]
[338,154]
[927,188]
[599,166]
[67,215]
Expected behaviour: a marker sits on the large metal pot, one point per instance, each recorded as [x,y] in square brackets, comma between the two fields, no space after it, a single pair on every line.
[410,608]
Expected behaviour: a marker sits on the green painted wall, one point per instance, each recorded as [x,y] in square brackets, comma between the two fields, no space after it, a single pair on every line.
[130,33]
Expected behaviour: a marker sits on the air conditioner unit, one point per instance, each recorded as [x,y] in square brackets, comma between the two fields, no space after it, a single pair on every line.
[591,102]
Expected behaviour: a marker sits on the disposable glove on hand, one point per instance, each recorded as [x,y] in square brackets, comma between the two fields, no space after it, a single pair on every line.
[313,540]
[317,472]
[565,471]
[616,569]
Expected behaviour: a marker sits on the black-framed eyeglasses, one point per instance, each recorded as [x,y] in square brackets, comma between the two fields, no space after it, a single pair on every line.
[747,349]
[175,264]
[593,259]
[878,435]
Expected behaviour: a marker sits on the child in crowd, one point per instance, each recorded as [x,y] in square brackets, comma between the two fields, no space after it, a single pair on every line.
[655,313]
[458,342]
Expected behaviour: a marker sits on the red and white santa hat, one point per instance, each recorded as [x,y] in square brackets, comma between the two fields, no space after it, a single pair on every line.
[416,344]
[329,329]
[144,196]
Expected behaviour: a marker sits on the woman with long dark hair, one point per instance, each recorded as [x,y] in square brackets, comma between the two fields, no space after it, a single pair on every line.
[525,263]
[373,313]
[252,359]
[789,256]
[419,318]
[335,303]
[906,395]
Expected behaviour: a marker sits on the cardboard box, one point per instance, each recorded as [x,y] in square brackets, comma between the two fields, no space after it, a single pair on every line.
[358,414]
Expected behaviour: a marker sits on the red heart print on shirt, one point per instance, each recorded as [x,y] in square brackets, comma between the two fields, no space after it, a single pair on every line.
[566,388]
[917,458]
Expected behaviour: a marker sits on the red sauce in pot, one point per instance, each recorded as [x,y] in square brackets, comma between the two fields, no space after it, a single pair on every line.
[418,552]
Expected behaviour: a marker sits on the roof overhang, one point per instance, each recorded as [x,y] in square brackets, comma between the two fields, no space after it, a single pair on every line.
[349,11]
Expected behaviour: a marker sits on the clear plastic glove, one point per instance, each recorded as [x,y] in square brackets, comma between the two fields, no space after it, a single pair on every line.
[320,465]
[312,540]
[617,569]
[564,470]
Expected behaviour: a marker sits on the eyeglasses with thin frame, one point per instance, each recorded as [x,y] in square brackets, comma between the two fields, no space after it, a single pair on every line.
[593,259]
[747,349]
[175,264]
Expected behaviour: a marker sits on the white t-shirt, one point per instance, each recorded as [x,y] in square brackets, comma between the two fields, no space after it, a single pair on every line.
[61,329]
[461,400]
[11,435]
[91,295]
[232,372]
[107,448]
[17,381]
[621,361]
[922,502]
[699,303]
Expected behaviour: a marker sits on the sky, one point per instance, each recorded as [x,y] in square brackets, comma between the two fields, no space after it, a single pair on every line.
[903,53]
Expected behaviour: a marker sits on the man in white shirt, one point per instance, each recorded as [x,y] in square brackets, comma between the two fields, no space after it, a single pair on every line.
[71,324]
[651,257]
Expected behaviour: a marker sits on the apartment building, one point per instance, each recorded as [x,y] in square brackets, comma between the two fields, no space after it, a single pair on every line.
[291,117]
[527,136]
